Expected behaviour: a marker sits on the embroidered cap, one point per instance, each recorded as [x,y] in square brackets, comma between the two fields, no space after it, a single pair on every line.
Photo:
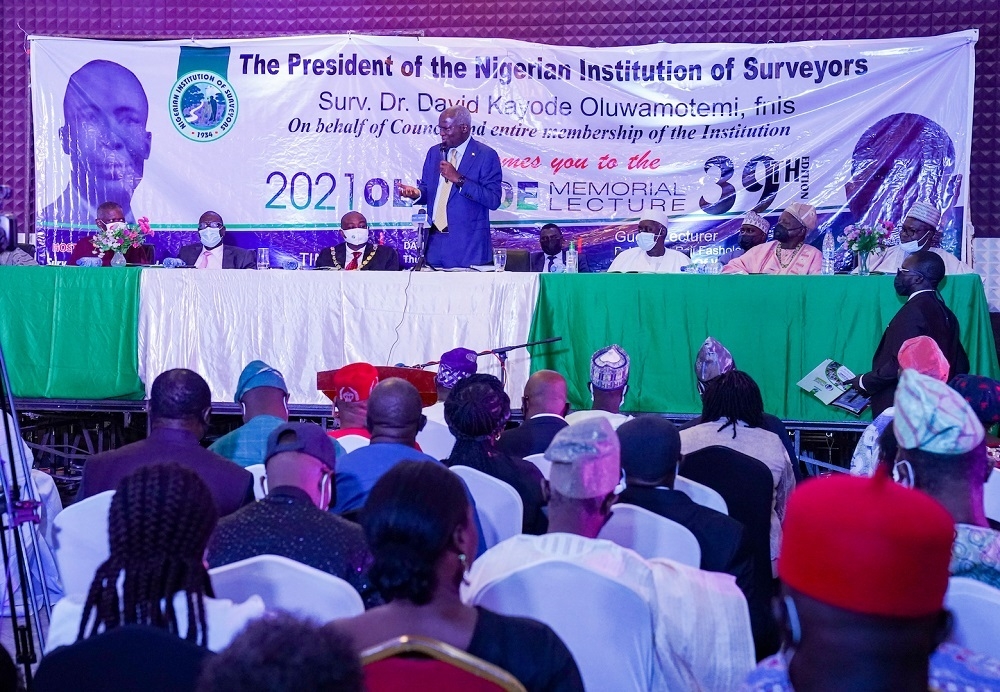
[933,417]
[922,211]
[921,353]
[805,213]
[257,373]
[456,365]
[609,368]
[585,459]
[354,382]
[713,359]
[657,215]
[752,218]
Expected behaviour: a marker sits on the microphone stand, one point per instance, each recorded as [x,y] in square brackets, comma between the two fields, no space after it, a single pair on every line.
[425,238]
[500,353]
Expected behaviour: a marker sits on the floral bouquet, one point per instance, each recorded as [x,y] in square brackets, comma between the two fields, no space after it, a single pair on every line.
[120,237]
[865,240]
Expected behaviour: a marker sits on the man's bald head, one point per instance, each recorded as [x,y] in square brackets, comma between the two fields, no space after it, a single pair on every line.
[353,219]
[544,392]
[395,410]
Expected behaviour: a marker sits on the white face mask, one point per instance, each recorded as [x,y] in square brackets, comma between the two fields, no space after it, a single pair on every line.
[645,240]
[356,236]
[912,246]
[116,226]
[210,237]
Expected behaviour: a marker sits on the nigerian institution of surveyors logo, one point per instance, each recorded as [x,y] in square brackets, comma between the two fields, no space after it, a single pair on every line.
[203,106]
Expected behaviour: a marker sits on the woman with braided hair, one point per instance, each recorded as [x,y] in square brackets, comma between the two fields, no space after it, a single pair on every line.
[160,520]
[477,411]
[419,525]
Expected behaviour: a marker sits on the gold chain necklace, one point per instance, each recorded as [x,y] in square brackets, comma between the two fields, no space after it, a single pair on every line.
[795,253]
[365,258]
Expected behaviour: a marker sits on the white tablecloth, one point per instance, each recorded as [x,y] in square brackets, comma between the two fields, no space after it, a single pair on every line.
[302,322]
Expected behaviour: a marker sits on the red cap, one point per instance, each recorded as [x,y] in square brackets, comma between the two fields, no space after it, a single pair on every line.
[354,382]
[867,545]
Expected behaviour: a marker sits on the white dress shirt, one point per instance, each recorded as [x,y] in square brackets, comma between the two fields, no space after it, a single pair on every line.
[637,260]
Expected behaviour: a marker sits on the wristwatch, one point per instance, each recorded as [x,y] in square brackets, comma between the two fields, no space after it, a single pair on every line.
[461,182]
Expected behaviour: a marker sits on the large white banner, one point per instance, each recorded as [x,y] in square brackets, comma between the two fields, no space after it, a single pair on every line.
[284,136]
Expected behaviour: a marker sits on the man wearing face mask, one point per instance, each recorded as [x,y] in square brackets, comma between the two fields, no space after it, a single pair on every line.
[753,232]
[357,252]
[293,521]
[924,313]
[262,393]
[109,215]
[917,233]
[651,255]
[210,253]
[788,252]
[552,258]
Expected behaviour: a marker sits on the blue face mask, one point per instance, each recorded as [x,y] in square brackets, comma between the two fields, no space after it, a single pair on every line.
[210,237]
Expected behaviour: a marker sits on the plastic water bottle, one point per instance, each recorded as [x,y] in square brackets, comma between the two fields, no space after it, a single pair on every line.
[828,249]
[572,258]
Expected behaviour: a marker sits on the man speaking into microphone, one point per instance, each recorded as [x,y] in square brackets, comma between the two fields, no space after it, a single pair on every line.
[460,182]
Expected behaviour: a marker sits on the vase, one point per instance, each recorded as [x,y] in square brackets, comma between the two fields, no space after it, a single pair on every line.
[863,264]
[118,260]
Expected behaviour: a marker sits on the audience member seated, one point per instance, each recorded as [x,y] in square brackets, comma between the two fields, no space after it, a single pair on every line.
[864,571]
[128,657]
[109,214]
[733,411]
[420,527]
[753,232]
[293,521]
[788,253]
[180,404]
[10,675]
[394,418]
[280,653]
[210,253]
[701,624]
[923,313]
[942,451]
[262,394]
[916,233]
[921,353]
[353,385]
[160,520]
[455,366]
[651,254]
[609,369]
[552,257]
[544,407]
[11,255]
[477,411]
[364,254]
[714,359]
[650,455]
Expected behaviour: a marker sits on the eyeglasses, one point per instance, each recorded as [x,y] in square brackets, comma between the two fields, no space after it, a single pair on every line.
[904,270]
[211,224]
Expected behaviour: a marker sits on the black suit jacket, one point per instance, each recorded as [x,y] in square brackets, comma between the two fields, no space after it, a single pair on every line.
[923,314]
[531,437]
[538,262]
[232,257]
[379,258]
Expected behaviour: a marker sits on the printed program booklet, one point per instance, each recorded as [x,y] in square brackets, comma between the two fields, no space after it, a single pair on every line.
[828,383]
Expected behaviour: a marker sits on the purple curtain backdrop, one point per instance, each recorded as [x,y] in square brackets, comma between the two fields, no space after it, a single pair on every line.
[584,22]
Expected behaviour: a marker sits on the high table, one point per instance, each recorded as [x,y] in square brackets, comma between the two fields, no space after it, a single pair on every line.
[777,327]
[301,322]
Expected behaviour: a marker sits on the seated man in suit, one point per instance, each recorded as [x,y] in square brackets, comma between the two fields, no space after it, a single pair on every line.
[358,252]
[109,214]
[210,253]
[552,257]
[543,405]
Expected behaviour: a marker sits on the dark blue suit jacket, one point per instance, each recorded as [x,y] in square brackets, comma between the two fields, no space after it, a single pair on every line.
[467,241]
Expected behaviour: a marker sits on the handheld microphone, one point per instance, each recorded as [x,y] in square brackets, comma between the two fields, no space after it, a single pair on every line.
[444,152]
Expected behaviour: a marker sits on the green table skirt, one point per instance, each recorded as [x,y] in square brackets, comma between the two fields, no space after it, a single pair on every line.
[71,333]
[777,327]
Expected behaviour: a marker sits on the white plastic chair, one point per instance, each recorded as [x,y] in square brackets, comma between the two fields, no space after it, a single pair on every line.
[702,494]
[500,509]
[976,607]
[651,535]
[80,542]
[991,495]
[436,440]
[543,464]
[613,653]
[259,474]
[287,585]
